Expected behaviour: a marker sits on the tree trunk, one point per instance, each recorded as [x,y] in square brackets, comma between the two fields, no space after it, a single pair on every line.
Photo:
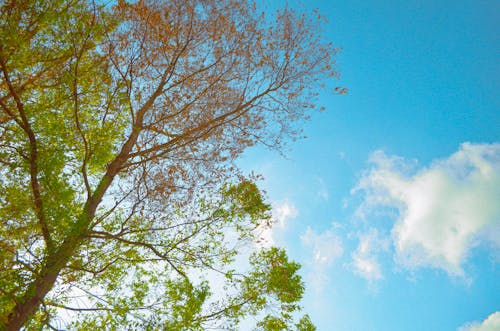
[56,260]
[36,291]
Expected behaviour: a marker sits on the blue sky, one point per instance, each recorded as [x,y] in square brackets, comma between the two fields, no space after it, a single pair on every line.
[391,203]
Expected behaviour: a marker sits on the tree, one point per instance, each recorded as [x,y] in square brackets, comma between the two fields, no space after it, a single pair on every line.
[119,127]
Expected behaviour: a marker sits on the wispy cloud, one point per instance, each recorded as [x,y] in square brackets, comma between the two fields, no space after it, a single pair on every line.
[365,259]
[324,248]
[282,212]
[444,209]
[491,323]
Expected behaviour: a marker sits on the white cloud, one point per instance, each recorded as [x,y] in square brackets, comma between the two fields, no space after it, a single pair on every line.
[282,212]
[491,323]
[325,248]
[265,238]
[444,210]
[365,258]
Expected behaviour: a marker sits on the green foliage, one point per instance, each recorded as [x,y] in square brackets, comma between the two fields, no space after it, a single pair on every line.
[247,196]
[275,275]
[305,324]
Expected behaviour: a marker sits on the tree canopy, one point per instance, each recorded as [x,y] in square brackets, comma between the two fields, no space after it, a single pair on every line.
[119,196]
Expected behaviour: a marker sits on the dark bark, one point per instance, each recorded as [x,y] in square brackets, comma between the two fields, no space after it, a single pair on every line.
[57,259]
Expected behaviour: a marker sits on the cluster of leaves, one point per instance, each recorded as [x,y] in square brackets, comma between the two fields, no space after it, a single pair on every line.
[118,131]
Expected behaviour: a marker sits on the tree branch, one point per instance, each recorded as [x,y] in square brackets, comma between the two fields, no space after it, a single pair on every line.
[35,185]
